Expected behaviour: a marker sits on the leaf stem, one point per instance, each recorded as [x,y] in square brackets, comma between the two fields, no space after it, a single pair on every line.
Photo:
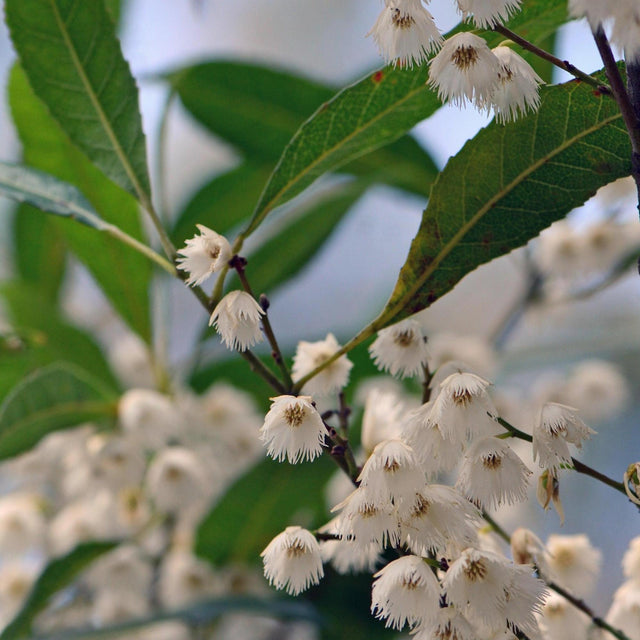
[545,55]
[142,248]
[578,466]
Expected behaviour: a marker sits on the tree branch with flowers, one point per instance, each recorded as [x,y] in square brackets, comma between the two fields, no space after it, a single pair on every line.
[147,496]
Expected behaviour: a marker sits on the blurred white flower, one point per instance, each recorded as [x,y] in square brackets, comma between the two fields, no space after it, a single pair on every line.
[624,613]
[22,523]
[471,353]
[131,360]
[119,461]
[400,349]
[631,560]
[125,569]
[561,620]
[293,429]
[292,560]
[465,70]
[177,481]
[573,563]
[113,606]
[448,624]
[185,579]
[347,556]
[237,319]
[382,418]
[405,591]
[16,580]
[405,32]
[203,255]
[310,355]
[149,417]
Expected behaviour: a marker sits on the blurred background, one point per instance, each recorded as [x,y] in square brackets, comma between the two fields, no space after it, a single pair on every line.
[349,281]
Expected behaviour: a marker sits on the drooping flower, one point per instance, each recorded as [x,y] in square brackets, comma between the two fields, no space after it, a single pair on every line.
[405,32]
[204,254]
[573,562]
[400,349]
[345,554]
[293,429]
[292,560]
[486,13]
[381,419]
[237,319]
[492,474]
[516,91]
[405,591]
[310,355]
[465,70]
[560,620]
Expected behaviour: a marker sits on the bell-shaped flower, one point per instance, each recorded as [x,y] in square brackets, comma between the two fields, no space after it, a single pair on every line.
[237,319]
[486,13]
[400,349]
[204,254]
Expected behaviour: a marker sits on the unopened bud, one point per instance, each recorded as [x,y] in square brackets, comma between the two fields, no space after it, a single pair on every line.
[525,546]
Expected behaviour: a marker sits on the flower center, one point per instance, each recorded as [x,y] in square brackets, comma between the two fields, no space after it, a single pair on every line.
[294,415]
[402,20]
[296,549]
[464,57]
[404,338]
[411,583]
[492,461]
[462,397]
[421,506]
[213,252]
[475,570]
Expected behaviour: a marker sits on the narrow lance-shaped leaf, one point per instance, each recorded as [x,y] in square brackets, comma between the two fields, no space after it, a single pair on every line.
[47,193]
[72,57]
[506,185]
[374,112]
[57,397]
[58,575]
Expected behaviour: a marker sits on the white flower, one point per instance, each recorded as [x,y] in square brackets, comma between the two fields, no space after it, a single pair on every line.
[624,613]
[292,560]
[526,547]
[560,620]
[595,11]
[405,32]
[464,70]
[310,355]
[405,591]
[557,426]
[559,251]
[119,461]
[346,555]
[177,480]
[237,319]
[22,523]
[185,579]
[487,13]
[293,429]
[492,474]
[438,449]
[392,472]
[517,89]
[438,518]
[204,254]
[114,605]
[16,580]
[381,419]
[473,353]
[366,521]
[631,560]
[448,624]
[463,407]
[572,562]
[400,349]
[626,28]
[124,569]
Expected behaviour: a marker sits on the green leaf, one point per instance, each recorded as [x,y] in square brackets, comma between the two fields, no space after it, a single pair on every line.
[71,55]
[508,184]
[39,252]
[56,397]
[50,338]
[123,274]
[223,203]
[58,575]
[259,109]
[47,193]
[374,112]
[299,242]
[259,506]
[201,614]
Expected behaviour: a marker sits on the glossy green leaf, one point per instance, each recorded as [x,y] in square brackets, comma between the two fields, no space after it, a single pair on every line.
[223,203]
[57,397]
[259,109]
[58,575]
[49,337]
[508,184]
[201,614]
[298,243]
[123,274]
[47,193]
[39,251]
[374,112]
[259,506]
[70,53]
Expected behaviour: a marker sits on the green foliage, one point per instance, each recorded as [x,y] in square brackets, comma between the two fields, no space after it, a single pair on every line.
[71,55]
[506,185]
[259,109]
[57,397]
[123,274]
[259,506]
[58,574]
